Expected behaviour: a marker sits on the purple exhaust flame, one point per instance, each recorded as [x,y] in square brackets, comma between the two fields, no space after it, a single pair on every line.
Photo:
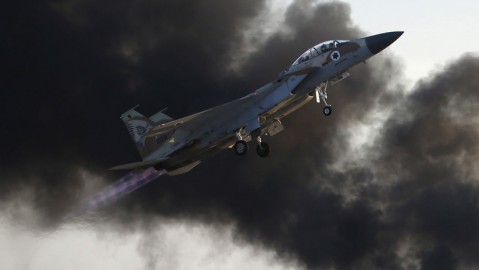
[115,191]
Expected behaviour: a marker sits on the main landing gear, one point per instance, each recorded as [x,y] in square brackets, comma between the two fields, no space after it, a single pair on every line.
[322,94]
[262,149]
[241,147]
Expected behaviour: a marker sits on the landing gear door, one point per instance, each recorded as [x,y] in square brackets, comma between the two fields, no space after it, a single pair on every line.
[275,128]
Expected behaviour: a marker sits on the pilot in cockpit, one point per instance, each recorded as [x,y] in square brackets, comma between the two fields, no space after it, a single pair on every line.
[324,48]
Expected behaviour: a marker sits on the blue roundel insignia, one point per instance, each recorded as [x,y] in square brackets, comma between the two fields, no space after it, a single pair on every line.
[335,56]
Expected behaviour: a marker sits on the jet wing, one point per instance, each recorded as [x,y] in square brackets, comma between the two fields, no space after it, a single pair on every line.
[227,118]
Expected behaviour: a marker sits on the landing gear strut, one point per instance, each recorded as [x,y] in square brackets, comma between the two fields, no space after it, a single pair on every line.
[322,94]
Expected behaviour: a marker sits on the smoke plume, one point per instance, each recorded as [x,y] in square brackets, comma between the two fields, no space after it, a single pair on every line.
[389,181]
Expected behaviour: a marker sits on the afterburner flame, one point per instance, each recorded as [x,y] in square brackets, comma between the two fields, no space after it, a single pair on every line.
[122,187]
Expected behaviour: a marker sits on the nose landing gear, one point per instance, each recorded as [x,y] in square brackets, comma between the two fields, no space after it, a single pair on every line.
[327,110]
[322,94]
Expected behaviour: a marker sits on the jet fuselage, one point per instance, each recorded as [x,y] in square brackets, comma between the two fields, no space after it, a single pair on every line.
[194,137]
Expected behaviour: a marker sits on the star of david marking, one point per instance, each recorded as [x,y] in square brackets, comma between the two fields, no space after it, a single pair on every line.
[335,56]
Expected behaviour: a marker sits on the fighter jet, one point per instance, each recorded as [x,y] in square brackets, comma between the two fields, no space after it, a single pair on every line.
[177,146]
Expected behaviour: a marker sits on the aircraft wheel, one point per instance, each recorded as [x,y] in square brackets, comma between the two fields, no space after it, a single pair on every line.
[327,110]
[263,149]
[240,147]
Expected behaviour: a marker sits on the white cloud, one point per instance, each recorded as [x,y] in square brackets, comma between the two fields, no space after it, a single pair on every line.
[168,245]
[101,244]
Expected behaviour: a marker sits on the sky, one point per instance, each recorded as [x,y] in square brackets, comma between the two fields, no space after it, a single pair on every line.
[389,181]
[447,29]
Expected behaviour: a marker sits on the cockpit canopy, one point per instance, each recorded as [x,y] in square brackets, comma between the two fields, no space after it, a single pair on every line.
[318,50]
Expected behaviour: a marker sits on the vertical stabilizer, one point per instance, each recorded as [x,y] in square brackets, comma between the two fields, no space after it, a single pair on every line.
[138,126]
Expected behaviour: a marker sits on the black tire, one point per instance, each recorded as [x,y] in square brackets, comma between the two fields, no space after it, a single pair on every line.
[327,110]
[240,148]
[263,150]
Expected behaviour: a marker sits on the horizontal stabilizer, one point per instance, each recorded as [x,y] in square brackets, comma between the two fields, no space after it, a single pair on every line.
[136,165]
[160,117]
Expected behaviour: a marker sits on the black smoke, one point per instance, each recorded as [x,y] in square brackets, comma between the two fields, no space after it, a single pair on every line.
[408,198]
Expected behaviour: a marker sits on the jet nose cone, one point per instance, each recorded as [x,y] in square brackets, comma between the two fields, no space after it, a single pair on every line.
[379,42]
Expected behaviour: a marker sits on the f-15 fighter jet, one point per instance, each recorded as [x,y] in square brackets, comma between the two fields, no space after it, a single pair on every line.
[177,146]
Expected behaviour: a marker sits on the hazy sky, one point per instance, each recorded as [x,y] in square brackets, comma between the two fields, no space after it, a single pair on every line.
[389,181]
